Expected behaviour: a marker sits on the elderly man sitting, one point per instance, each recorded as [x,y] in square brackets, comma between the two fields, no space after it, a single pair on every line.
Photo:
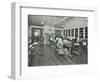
[60,47]
[63,47]
[67,46]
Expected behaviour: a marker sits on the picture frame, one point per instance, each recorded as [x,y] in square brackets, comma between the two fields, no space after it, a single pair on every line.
[19,36]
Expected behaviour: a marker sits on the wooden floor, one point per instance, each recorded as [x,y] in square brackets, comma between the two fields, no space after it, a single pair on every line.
[47,56]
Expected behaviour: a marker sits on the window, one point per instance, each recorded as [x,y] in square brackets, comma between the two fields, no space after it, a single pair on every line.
[81,33]
[86,32]
[69,32]
[66,33]
[72,32]
[76,32]
[58,33]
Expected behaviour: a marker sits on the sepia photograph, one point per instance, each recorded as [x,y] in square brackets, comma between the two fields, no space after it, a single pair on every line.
[57,40]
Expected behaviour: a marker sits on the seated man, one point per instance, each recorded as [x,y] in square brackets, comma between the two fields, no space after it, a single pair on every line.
[67,47]
[60,47]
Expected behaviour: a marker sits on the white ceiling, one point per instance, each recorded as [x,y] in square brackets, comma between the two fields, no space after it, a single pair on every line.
[57,21]
[47,20]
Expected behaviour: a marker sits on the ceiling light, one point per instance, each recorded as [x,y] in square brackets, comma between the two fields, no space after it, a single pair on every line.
[42,23]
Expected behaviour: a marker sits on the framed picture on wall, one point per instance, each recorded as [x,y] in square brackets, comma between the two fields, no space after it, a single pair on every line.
[51,41]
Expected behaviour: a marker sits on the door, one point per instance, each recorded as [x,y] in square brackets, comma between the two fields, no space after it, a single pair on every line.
[37,34]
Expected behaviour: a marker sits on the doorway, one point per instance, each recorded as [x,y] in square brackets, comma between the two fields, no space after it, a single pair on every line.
[37,34]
